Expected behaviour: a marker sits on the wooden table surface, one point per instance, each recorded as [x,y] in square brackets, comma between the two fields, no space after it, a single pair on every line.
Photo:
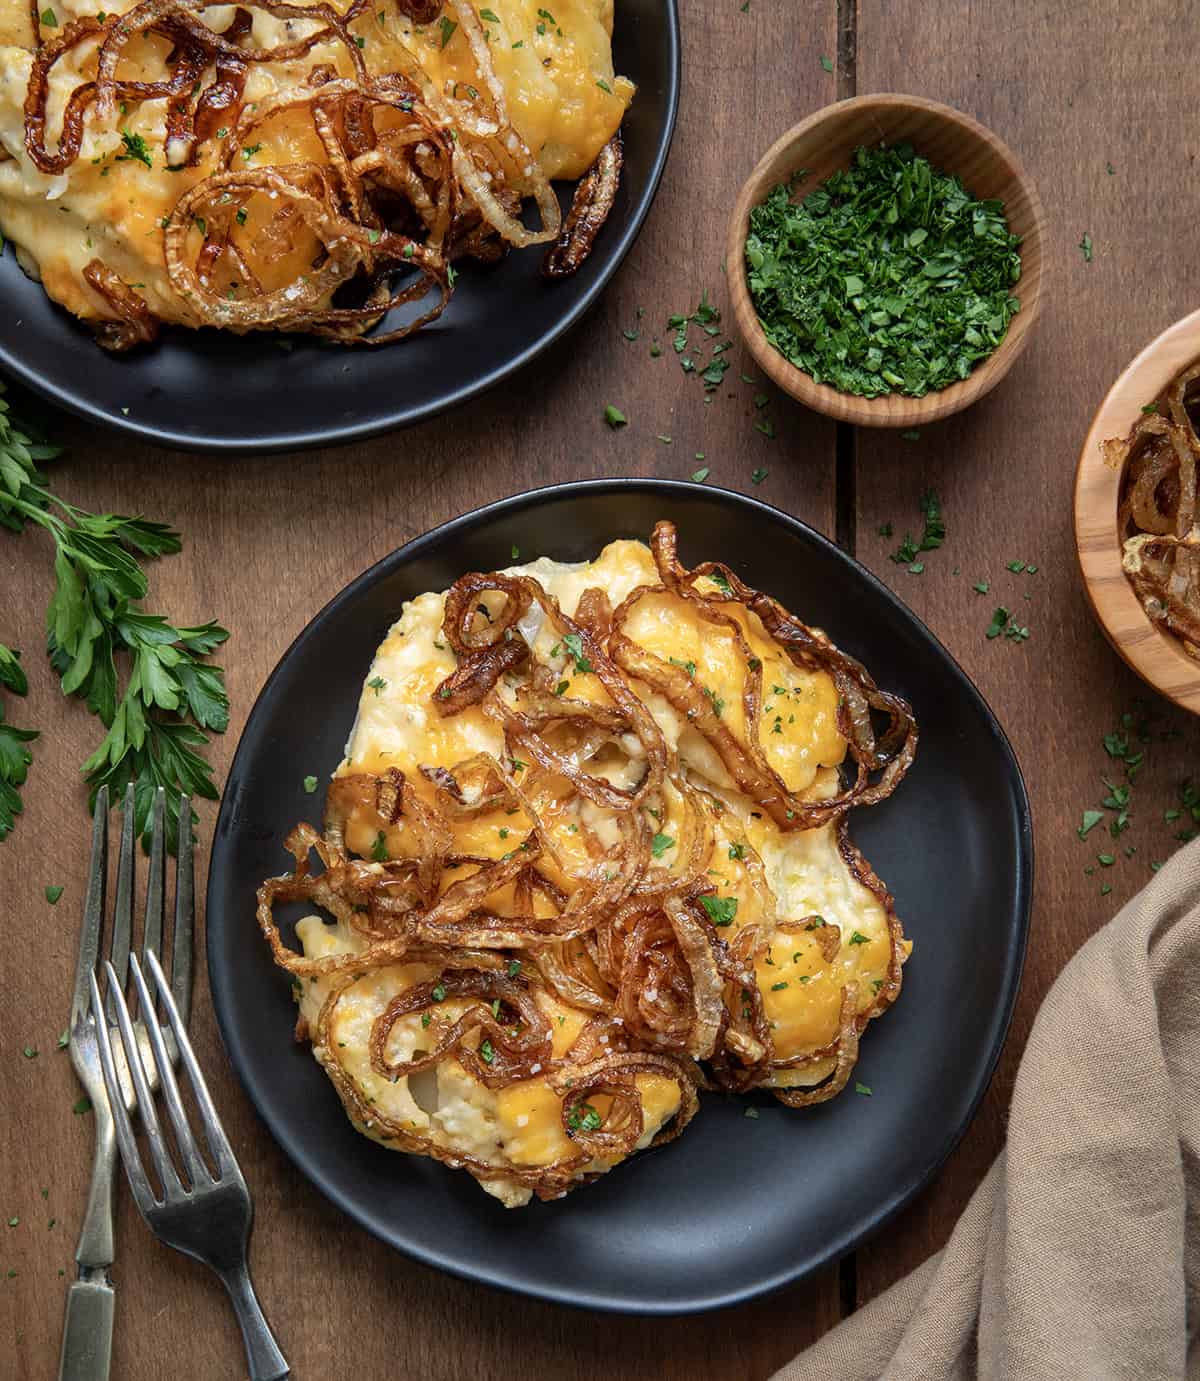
[1100,114]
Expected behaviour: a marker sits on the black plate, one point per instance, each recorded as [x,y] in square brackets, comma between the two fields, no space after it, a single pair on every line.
[204,391]
[737,1206]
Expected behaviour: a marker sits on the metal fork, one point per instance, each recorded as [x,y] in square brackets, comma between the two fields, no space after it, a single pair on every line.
[87,1330]
[209,1216]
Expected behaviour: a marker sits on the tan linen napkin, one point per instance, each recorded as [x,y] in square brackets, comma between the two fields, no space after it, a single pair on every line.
[1078,1258]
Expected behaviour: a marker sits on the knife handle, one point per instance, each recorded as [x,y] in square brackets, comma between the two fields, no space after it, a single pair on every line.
[87,1332]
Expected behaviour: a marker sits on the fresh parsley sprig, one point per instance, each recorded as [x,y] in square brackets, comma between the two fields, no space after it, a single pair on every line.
[171,700]
[14,756]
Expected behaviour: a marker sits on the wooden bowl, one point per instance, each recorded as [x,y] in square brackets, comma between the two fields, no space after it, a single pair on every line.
[952,142]
[1156,655]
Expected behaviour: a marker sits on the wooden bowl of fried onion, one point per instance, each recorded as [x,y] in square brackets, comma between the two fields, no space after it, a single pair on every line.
[1155,654]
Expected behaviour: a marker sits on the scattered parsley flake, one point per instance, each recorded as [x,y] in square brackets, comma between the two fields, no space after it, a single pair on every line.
[614,416]
[701,475]
[721,910]
[864,1089]
[53,893]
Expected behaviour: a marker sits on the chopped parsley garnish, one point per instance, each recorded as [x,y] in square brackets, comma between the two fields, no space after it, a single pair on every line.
[751,1112]
[514,967]
[614,417]
[689,667]
[377,683]
[858,938]
[603,85]
[778,987]
[486,1053]
[737,851]
[250,150]
[379,850]
[562,687]
[721,910]
[310,785]
[49,19]
[573,642]
[439,993]
[1106,860]
[766,426]
[82,1105]
[1091,818]
[584,1118]
[135,146]
[981,587]
[240,216]
[426,1019]
[489,16]
[757,476]
[721,581]
[826,63]
[717,703]
[1003,623]
[660,844]
[889,277]
[701,475]
[1150,407]
[864,1089]
[447,27]
[53,893]
[1086,246]
[932,537]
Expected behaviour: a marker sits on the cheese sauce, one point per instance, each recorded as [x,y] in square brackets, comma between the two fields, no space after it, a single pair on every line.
[561,92]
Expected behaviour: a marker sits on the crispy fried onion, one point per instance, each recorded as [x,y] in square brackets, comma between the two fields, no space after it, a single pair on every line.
[415,173]
[608,895]
[1157,518]
[134,323]
[590,206]
[889,753]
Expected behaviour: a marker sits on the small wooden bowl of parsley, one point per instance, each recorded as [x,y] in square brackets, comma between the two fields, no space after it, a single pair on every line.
[885,261]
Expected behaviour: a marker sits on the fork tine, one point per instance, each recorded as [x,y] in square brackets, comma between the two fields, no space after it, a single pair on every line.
[154,1137]
[134,1171]
[185,915]
[93,907]
[152,932]
[217,1140]
[197,1171]
[122,931]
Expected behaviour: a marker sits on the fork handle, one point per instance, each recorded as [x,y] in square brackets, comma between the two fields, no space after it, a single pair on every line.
[266,1361]
[87,1332]
[95,1247]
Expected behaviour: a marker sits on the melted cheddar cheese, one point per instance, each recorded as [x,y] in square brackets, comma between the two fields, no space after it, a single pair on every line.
[562,95]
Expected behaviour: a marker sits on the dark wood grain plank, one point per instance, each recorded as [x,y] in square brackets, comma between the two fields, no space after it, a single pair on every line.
[1072,99]
[268,542]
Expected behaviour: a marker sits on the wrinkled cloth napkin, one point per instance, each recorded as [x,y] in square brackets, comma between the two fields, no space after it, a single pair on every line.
[1078,1258]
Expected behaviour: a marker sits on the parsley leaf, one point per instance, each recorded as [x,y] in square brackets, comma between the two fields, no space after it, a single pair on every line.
[614,417]
[135,148]
[573,642]
[447,27]
[660,844]
[721,910]
[14,756]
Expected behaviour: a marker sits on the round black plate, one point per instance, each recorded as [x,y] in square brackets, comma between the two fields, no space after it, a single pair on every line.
[204,391]
[736,1206]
